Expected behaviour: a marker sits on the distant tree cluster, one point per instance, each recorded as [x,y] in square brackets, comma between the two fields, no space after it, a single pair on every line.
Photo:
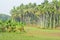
[47,15]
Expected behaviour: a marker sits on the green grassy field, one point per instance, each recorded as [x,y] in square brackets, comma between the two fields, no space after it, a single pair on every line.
[31,34]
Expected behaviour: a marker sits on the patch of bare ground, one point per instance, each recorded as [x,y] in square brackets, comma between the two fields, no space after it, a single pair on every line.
[58,28]
[38,33]
[42,33]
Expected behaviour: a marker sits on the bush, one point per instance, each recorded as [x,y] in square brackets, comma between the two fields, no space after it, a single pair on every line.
[11,26]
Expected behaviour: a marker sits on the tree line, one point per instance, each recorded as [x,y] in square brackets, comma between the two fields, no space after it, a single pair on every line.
[46,15]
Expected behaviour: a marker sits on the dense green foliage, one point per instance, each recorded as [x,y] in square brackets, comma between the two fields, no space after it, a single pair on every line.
[46,15]
[10,25]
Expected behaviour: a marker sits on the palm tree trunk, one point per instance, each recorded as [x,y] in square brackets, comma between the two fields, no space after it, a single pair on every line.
[54,21]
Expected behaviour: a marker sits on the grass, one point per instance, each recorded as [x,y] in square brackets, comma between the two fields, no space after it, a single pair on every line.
[32,33]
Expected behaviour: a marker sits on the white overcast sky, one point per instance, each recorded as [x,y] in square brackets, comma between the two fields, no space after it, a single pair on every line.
[7,5]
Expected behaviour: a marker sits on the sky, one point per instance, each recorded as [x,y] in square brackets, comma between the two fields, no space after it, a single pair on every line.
[7,5]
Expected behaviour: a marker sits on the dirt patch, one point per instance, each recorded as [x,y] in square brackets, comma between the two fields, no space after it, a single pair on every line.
[38,32]
[47,33]
[42,33]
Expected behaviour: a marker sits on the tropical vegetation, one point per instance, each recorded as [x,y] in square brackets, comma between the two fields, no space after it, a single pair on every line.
[45,15]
